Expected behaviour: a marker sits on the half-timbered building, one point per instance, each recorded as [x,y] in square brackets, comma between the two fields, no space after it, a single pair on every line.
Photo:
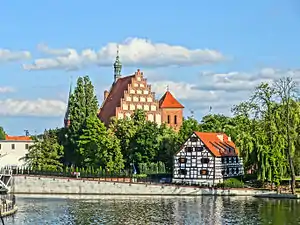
[207,158]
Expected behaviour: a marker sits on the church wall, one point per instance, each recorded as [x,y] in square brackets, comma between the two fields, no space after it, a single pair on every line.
[172,117]
[139,96]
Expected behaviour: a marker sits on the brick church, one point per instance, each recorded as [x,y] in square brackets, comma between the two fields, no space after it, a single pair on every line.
[129,93]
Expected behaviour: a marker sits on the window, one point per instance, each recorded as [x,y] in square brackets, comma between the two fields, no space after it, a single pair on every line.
[237,170]
[26,146]
[189,149]
[237,159]
[182,172]
[12,146]
[203,172]
[168,119]
[193,139]
[223,160]
[199,149]
[232,170]
[175,119]
[0,146]
[227,170]
[223,172]
[182,160]
[205,160]
[227,160]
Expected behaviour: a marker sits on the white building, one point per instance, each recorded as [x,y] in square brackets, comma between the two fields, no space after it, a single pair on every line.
[12,149]
[207,158]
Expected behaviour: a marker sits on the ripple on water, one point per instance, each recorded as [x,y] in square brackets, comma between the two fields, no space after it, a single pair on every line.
[208,210]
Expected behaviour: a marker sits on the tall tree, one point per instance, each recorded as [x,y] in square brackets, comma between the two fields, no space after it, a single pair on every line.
[2,133]
[83,103]
[286,90]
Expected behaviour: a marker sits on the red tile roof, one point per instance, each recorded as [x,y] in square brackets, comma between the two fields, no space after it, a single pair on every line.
[17,138]
[216,145]
[113,100]
[168,101]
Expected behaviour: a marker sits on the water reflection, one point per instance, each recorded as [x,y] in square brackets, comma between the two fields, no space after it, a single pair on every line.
[132,210]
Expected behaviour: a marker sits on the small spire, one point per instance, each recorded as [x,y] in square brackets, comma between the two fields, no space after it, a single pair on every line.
[117,66]
[168,88]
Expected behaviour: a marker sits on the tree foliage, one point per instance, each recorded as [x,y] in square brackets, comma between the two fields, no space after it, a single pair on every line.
[2,133]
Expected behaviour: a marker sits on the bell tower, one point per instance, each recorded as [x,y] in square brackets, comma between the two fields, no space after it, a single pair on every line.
[117,66]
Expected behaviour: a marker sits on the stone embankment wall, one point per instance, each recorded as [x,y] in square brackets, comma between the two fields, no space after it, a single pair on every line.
[51,185]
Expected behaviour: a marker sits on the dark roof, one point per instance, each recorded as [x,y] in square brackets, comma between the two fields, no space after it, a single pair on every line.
[113,100]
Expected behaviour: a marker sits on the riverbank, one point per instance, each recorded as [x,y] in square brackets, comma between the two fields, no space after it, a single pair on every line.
[58,185]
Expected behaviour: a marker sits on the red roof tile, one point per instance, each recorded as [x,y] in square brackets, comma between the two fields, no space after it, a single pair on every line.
[113,100]
[17,138]
[216,145]
[168,101]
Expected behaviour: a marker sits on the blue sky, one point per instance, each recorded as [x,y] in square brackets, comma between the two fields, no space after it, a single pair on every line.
[210,53]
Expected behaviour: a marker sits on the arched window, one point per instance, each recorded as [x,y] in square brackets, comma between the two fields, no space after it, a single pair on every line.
[175,119]
[168,119]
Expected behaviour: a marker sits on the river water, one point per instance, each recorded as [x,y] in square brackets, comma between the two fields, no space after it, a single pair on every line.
[134,210]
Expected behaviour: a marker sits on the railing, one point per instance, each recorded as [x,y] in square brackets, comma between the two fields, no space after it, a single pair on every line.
[125,176]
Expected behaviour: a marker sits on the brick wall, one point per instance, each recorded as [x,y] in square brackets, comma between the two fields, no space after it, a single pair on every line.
[171,113]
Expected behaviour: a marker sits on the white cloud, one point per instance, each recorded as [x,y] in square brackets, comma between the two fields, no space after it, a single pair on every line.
[38,107]
[6,90]
[9,55]
[133,51]
[221,91]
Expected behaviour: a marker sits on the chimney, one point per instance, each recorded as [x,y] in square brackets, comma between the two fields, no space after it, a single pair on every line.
[106,93]
[220,136]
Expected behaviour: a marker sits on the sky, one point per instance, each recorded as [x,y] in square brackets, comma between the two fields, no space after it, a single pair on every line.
[210,53]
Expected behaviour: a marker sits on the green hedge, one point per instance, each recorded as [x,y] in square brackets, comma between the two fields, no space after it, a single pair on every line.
[231,183]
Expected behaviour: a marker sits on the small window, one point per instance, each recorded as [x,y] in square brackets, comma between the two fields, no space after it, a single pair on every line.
[223,160]
[237,159]
[182,172]
[237,170]
[205,160]
[26,146]
[175,119]
[223,172]
[12,146]
[0,146]
[189,149]
[227,170]
[232,170]
[199,149]
[168,119]
[203,172]
[182,160]
[193,139]
[227,160]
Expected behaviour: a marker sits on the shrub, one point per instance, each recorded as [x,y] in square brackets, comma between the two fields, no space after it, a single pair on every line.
[139,175]
[231,183]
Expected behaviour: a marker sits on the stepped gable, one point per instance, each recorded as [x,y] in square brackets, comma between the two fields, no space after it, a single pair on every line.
[113,99]
[218,143]
[168,101]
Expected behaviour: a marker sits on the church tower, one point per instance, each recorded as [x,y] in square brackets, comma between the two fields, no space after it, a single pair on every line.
[117,67]
[67,120]
[171,111]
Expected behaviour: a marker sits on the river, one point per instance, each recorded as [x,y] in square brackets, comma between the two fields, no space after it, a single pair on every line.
[134,210]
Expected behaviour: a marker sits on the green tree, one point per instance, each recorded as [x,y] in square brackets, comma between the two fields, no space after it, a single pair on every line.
[83,103]
[189,125]
[45,153]
[98,147]
[2,133]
